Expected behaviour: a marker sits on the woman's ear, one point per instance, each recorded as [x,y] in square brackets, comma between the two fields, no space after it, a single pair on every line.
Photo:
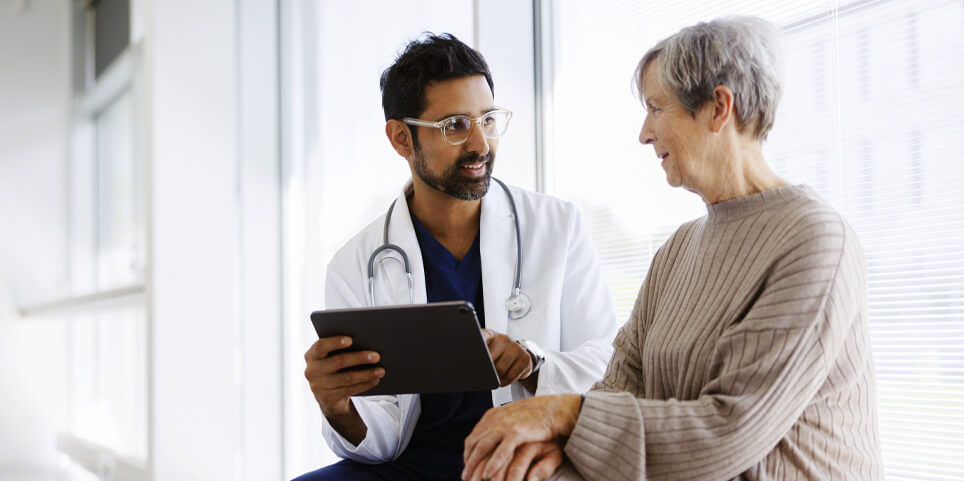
[400,137]
[722,108]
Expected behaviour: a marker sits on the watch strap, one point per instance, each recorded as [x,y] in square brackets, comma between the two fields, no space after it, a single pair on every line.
[536,358]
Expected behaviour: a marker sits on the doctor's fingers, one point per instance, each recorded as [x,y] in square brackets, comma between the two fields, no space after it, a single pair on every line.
[336,362]
[498,347]
[511,362]
[519,368]
[327,366]
[343,380]
[488,335]
[509,367]
[335,402]
[322,347]
[349,391]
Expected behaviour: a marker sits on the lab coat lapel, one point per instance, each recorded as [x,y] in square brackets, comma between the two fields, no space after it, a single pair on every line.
[391,278]
[498,251]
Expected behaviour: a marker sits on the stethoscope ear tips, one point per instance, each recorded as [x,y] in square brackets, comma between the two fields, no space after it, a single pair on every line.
[518,305]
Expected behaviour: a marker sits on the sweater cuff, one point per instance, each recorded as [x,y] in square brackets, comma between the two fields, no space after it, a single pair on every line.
[608,441]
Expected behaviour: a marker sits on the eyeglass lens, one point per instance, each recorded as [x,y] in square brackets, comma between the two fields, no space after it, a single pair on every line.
[493,125]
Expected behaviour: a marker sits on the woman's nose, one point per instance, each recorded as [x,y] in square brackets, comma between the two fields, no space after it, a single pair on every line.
[646,134]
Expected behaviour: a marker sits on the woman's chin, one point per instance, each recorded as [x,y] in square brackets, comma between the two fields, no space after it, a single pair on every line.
[673,180]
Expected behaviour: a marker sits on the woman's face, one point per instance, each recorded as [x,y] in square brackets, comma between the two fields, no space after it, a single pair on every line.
[681,142]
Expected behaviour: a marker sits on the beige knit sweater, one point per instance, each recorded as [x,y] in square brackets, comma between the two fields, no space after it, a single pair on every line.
[747,355]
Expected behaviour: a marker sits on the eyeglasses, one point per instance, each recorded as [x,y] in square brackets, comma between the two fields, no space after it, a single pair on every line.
[456,129]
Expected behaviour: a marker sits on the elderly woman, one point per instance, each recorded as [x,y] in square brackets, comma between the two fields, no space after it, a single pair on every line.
[747,354]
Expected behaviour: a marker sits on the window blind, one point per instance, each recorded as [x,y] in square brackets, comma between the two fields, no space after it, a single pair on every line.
[869,119]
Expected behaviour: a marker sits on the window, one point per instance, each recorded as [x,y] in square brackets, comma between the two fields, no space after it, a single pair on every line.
[112,31]
[107,376]
[108,380]
[107,319]
[869,119]
[118,200]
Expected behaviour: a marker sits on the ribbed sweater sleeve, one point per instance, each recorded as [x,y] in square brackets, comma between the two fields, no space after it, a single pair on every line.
[755,332]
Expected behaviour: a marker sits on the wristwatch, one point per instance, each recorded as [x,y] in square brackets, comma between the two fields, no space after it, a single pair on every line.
[535,352]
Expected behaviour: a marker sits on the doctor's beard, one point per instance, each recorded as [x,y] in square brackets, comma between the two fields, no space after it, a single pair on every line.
[451,181]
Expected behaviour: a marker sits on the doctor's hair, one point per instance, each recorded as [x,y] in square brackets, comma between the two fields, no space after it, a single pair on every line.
[431,58]
[741,53]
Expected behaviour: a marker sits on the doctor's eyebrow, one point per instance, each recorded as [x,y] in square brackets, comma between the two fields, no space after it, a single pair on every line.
[490,109]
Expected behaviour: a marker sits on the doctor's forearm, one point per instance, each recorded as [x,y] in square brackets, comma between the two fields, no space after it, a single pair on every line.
[349,425]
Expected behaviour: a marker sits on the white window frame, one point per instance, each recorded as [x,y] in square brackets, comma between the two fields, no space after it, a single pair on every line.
[93,97]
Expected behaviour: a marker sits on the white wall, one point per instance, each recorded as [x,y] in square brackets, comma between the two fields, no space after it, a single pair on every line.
[261,241]
[192,71]
[215,237]
[34,106]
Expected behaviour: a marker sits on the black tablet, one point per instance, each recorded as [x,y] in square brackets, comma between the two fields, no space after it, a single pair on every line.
[425,348]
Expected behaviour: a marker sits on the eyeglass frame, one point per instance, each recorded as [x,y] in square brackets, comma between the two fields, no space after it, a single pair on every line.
[477,120]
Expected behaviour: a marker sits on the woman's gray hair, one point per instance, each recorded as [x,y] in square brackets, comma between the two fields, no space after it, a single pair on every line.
[742,53]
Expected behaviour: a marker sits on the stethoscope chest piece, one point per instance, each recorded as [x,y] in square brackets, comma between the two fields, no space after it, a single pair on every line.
[518,305]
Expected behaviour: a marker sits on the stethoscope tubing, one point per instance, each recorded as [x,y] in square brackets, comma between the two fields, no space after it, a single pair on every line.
[388,246]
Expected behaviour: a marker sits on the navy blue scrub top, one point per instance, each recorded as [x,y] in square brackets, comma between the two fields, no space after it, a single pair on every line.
[435,450]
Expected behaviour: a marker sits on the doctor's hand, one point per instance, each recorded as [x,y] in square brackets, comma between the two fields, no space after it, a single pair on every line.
[333,387]
[512,361]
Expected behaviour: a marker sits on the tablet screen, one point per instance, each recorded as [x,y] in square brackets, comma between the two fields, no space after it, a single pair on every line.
[424,348]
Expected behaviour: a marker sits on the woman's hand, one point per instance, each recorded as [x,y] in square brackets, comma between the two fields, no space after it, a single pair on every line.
[534,462]
[491,447]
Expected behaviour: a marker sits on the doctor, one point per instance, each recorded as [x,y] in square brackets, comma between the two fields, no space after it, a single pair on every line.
[522,258]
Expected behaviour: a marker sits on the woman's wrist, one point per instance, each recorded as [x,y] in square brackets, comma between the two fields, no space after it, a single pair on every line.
[567,409]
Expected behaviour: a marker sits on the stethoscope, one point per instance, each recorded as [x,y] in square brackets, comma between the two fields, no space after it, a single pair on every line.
[518,303]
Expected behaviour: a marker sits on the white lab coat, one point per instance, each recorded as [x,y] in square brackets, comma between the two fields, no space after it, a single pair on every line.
[572,317]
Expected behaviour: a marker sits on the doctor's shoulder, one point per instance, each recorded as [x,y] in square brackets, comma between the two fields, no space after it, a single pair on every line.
[356,251]
[558,215]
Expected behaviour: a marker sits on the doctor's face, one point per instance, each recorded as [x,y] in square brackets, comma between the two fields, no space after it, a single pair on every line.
[462,171]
